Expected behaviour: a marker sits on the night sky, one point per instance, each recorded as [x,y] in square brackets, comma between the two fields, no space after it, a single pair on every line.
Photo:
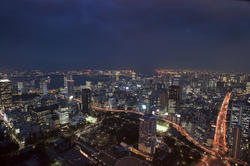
[137,34]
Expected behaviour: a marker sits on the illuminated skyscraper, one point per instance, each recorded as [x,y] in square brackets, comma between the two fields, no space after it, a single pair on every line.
[20,88]
[240,115]
[44,87]
[163,100]
[133,75]
[86,99]
[174,98]
[5,93]
[249,144]
[70,87]
[237,134]
[248,88]
[66,78]
[147,134]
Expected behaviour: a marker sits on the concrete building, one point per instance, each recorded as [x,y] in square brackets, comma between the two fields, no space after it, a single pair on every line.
[86,99]
[5,93]
[70,88]
[147,134]
[237,134]
[63,115]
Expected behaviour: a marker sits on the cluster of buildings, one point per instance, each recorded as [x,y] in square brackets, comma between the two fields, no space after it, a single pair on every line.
[190,99]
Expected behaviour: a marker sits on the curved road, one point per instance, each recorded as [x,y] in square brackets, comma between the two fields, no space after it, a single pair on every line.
[220,133]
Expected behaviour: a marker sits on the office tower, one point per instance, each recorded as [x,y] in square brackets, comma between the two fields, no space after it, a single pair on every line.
[174,92]
[70,87]
[133,75]
[240,115]
[43,87]
[237,134]
[248,88]
[5,93]
[249,144]
[20,88]
[65,81]
[173,98]
[163,100]
[63,115]
[220,86]
[86,99]
[66,78]
[147,134]
[176,80]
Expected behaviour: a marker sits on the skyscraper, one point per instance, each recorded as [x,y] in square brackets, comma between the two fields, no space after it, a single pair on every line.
[86,99]
[44,87]
[248,88]
[66,78]
[147,134]
[70,87]
[249,144]
[163,100]
[240,115]
[5,93]
[237,134]
[173,98]
[20,88]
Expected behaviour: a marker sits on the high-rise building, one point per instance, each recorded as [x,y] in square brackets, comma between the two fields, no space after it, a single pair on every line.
[44,87]
[147,134]
[248,88]
[174,92]
[70,87]
[5,93]
[249,144]
[173,98]
[63,115]
[163,100]
[237,134]
[240,115]
[20,88]
[66,78]
[133,75]
[86,99]
[176,80]
[220,87]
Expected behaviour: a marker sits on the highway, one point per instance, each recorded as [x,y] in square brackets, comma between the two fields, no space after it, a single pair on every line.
[220,147]
[220,143]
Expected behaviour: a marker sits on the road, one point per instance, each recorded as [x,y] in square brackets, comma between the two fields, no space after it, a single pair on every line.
[220,143]
[220,146]
[220,138]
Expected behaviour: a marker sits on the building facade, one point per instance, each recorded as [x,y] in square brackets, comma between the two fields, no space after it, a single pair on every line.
[147,134]
[5,93]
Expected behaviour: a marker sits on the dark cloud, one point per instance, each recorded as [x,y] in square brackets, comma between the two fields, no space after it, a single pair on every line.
[139,34]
